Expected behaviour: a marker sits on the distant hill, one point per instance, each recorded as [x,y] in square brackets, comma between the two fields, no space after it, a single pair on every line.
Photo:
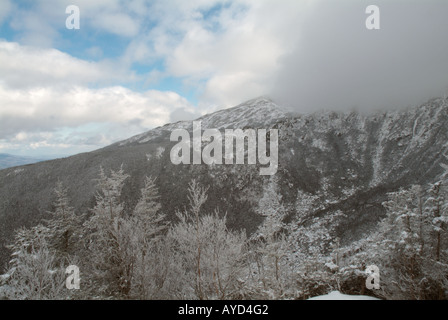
[9,160]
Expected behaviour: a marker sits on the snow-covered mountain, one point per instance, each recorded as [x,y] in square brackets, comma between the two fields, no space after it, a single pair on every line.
[348,161]
[257,113]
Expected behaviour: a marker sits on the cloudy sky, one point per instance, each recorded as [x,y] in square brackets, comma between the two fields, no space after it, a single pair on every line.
[137,64]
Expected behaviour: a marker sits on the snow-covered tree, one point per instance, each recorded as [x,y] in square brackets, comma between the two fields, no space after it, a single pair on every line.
[26,240]
[313,247]
[147,214]
[399,254]
[437,206]
[211,255]
[64,226]
[270,249]
[146,227]
[110,264]
[353,261]
[406,245]
[41,253]
[437,217]
[35,273]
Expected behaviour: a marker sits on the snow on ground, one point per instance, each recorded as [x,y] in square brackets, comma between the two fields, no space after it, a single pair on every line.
[336,295]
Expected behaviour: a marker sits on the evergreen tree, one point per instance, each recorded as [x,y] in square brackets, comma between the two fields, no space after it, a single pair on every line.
[147,226]
[110,266]
[147,212]
[64,226]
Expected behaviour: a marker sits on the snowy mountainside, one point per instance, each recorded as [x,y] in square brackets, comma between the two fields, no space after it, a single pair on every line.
[384,147]
[346,160]
[257,113]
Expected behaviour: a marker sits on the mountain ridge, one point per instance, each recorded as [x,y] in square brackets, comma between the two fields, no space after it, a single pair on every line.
[242,115]
[347,160]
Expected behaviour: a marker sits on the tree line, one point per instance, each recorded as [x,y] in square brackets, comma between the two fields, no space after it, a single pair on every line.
[140,255]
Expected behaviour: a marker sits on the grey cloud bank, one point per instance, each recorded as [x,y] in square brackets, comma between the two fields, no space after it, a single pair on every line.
[338,63]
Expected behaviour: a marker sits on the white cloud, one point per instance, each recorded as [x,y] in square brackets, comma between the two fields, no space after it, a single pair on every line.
[49,121]
[230,54]
[44,91]
[226,51]
[117,23]
[39,109]
[26,66]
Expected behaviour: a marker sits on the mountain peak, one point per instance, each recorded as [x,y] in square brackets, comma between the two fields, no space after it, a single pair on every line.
[260,112]
[258,100]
